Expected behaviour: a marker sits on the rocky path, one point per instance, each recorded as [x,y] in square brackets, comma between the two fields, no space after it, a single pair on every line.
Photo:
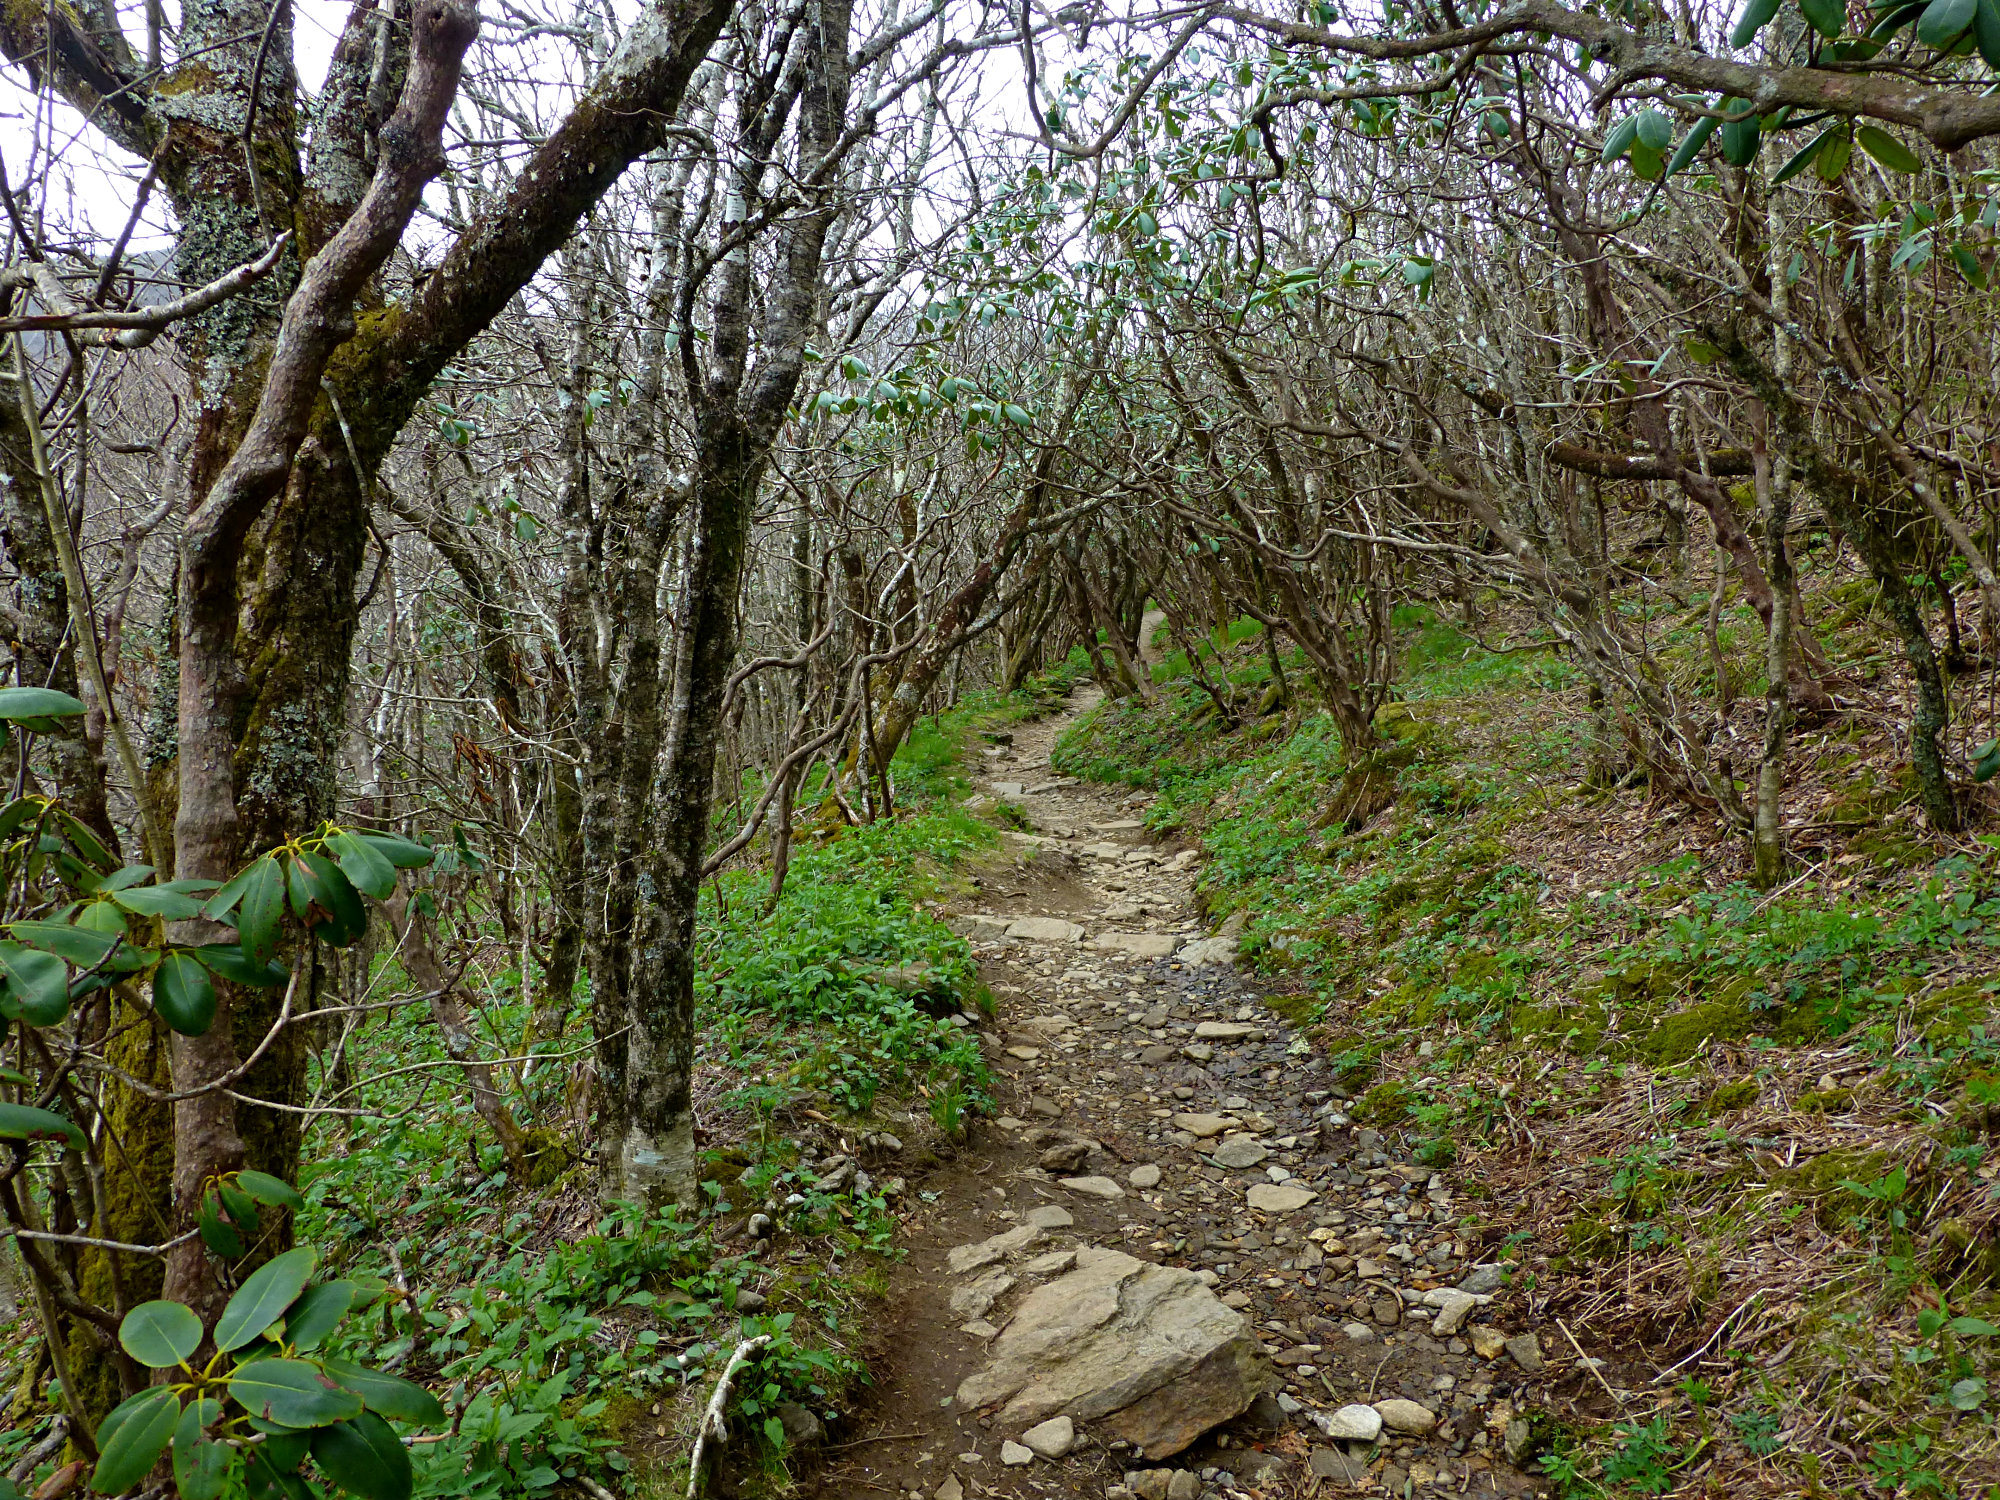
[1173,1268]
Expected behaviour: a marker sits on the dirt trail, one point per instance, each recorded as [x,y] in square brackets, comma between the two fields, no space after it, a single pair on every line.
[1094,1057]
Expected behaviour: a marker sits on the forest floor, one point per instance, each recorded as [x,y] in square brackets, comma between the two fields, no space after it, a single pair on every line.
[1097,1071]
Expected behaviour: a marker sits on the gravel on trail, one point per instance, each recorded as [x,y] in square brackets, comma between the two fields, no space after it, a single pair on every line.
[1150,1096]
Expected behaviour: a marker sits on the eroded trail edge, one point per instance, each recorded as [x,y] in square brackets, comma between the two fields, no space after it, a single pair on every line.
[1174,1267]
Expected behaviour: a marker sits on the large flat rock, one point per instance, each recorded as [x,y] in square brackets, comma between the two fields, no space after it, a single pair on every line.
[1145,1351]
[1203,952]
[1045,930]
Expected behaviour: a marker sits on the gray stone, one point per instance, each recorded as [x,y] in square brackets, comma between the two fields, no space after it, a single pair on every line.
[963,1258]
[1266,1414]
[1199,1052]
[1358,1333]
[1258,1467]
[1331,1463]
[1045,930]
[1044,1266]
[1143,1177]
[1487,1343]
[802,1428]
[951,1489]
[973,1299]
[1203,952]
[1094,1187]
[759,1226]
[748,1301]
[1150,1484]
[1067,1157]
[1453,1308]
[1278,1197]
[1014,1455]
[1227,1031]
[1049,1216]
[1138,944]
[1517,1440]
[1351,1424]
[1239,1151]
[1158,1053]
[1185,1485]
[1200,1126]
[1526,1351]
[1484,1280]
[1010,789]
[1146,1350]
[1412,1417]
[1051,1439]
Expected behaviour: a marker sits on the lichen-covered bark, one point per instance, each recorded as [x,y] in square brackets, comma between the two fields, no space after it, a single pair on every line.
[738,414]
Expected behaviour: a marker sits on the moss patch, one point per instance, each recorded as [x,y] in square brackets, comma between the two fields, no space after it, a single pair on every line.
[1677,1038]
[1384,1104]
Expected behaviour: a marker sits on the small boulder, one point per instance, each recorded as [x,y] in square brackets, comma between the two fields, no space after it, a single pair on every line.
[1185,1485]
[1051,1439]
[1068,1157]
[802,1428]
[1452,1306]
[1049,1216]
[1204,952]
[1412,1417]
[1351,1424]
[1484,1280]
[1143,1177]
[1146,1350]
[1331,1463]
[1014,1455]
[1239,1152]
[1526,1351]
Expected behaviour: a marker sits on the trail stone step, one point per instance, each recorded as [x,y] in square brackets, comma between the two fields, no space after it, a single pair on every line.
[1138,944]
[1228,1031]
[1045,930]
[1146,1351]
